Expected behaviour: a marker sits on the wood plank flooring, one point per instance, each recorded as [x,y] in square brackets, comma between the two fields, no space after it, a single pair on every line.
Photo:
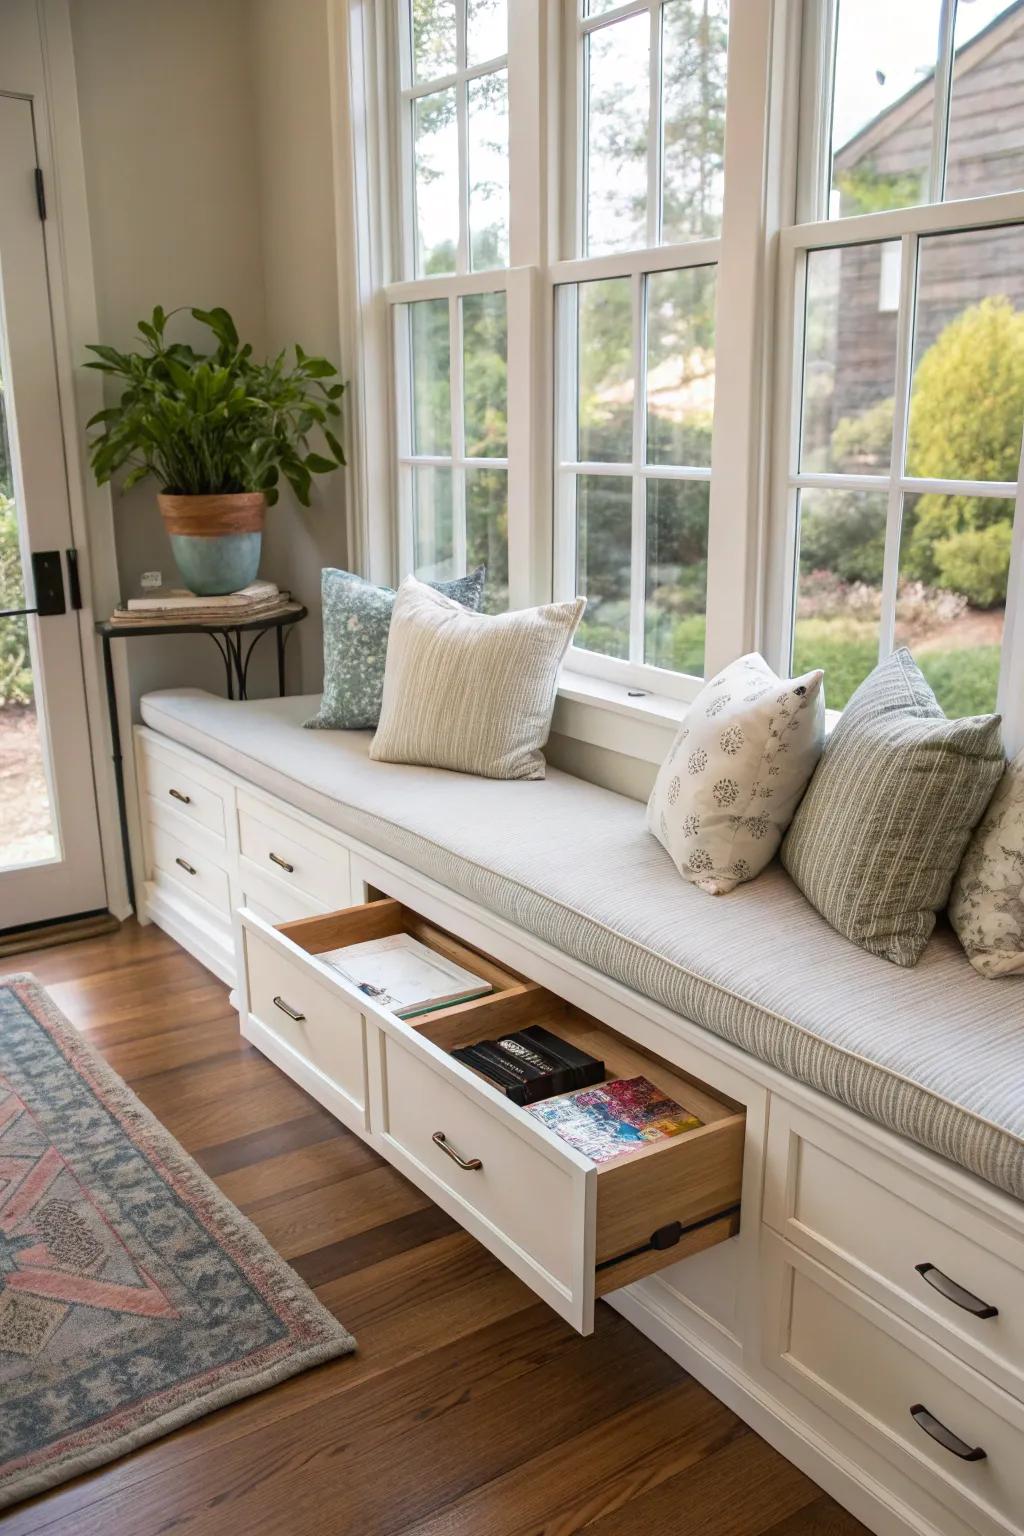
[469,1409]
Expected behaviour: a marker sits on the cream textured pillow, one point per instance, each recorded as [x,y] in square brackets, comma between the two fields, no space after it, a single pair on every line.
[987,903]
[728,789]
[471,691]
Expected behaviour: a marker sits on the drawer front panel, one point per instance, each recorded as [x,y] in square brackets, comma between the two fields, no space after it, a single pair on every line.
[176,788]
[273,900]
[526,1198]
[181,860]
[327,1034]
[296,856]
[905,1403]
[922,1253]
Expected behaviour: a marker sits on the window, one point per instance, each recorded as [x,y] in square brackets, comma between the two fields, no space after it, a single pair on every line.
[901,448]
[604,374]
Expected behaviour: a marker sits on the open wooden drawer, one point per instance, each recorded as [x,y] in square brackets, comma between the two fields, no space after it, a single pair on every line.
[570,1228]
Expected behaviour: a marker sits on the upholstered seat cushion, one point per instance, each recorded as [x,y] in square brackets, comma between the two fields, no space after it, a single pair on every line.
[935,1053]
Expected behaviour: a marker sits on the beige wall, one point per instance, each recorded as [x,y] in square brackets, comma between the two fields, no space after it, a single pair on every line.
[207,146]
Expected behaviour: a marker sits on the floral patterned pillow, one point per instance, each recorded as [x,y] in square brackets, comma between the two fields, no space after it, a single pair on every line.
[729,787]
[356,621]
[986,906]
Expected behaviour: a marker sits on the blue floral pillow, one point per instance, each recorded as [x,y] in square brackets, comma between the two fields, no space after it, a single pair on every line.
[356,620]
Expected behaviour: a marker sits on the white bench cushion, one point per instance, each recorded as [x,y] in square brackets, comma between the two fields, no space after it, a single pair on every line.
[935,1053]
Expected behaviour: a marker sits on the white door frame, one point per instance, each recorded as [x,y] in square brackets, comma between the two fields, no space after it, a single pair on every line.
[37,60]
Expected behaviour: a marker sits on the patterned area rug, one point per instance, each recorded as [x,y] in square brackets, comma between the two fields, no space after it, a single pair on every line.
[133,1296]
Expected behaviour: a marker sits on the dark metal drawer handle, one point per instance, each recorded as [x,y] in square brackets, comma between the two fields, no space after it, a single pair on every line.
[176,794]
[281,863]
[186,866]
[945,1437]
[955,1293]
[471,1164]
[279,1002]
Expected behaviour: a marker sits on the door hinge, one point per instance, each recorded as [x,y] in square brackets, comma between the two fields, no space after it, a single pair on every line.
[74,580]
[40,193]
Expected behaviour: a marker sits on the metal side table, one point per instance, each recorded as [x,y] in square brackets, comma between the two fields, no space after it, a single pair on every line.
[236,656]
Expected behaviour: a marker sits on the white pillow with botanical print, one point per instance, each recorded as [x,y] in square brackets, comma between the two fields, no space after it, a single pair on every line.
[986,906]
[729,787]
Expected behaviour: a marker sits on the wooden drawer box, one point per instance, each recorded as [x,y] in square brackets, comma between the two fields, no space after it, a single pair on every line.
[943,1265]
[937,1420]
[572,1229]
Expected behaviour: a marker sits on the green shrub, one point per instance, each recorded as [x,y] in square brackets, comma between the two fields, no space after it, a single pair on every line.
[976,562]
[16,686]
[847,649]
[964,681]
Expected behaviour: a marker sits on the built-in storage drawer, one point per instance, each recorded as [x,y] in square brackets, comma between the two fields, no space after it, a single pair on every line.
[935,1418]
[571,1228]
[294,854]
[944,1265]
[172,783]
[315,1025]
[183,860]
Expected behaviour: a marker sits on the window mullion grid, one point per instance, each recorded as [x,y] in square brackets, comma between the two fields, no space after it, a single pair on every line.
[901,411]
[940,102]
[638,538]
[462,256]
[654,129]
[566,441]
[402,353]
[455,377]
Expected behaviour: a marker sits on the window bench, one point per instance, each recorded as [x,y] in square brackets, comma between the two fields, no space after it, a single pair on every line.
[883,1150]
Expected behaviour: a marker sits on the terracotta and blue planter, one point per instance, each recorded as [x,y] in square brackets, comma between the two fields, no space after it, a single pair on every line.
[215,540]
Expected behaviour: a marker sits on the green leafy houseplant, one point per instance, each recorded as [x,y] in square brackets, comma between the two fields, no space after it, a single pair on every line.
[219,431]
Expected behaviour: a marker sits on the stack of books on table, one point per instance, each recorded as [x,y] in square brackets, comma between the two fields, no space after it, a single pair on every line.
[170,605]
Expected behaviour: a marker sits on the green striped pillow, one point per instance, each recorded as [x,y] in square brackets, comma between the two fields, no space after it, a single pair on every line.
[899,788]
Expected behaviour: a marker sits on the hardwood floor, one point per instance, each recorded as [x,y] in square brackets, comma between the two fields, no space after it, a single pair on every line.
[469,1409]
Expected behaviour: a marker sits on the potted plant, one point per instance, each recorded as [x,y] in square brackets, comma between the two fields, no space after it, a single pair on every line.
[217,431]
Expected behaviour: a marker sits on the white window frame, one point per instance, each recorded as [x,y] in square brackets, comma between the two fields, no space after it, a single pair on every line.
[909,226]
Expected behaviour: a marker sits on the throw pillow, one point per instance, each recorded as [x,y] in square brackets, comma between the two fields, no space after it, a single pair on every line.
[728,789]
[471,691]
[987,904]
[883,826]
[356,620]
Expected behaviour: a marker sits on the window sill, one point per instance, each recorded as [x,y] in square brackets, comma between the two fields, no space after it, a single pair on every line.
[611,716]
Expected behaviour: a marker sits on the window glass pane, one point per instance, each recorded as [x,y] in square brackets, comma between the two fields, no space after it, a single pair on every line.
[433,523]
[882,104]
[839,591]
[985,150]
[484,375]
[487,532]
[967,390]
[431,366]
[486,30]
[680,366]
[436,140]
[488,170]
[954,561]
[677,574]
[618,101]
[849,360]
[693,58]
[603,537]
[606,371]
[433,38]
[599,7]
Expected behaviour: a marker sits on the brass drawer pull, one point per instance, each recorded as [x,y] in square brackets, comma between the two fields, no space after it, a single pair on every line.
[186,866]
[279,1002]
[471,1164]
[945,1437]
[176,794]
[281,863]
[957,1294]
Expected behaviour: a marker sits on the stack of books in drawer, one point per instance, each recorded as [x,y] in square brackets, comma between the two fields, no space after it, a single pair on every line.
[532,1064]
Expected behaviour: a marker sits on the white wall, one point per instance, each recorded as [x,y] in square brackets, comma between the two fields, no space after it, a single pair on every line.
[207,146]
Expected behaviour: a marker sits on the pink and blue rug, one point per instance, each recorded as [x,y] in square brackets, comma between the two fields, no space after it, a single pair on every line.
[133,1296]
